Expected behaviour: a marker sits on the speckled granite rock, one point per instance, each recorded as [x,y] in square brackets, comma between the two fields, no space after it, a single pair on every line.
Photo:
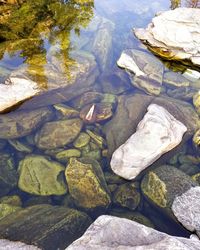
[186,208]
[174,34]
[15,245]
[112,233]
[157,133]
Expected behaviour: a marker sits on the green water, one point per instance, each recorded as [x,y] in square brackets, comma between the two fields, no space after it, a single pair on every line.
[49,42]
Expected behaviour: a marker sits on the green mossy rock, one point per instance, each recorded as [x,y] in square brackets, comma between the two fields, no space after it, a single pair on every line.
[58,134]
[13,200]
[86,184]
[64,111]
[87,98]
[189,169]
[97,139]
[19,146]
[127,196]
[93,154]
[6,209]
[82,140]
[163,184]
[48,227]
[8,174]
[64,155]
[41,176]
[113,178]
[21,123]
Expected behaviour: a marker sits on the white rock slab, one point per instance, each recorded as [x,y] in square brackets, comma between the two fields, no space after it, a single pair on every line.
[112,233]
[157,133]
[176,33]
[186,208]
[126,62]
[15,90]
[15,245]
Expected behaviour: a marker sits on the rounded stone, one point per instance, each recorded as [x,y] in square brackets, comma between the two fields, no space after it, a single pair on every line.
[82,140]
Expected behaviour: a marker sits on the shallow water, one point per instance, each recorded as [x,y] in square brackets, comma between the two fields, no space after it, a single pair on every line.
[55,35]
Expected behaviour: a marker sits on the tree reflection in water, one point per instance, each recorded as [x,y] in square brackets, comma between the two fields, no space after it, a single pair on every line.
[26,26]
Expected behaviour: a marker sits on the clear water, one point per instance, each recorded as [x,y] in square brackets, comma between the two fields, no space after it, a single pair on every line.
[42,28]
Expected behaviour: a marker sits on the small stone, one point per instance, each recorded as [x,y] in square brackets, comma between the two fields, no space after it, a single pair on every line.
[40,176]
[6,209]
[127,196]
[97,112]
[58,134]
[87,98]
[175,80]
[82,140]
[93,154]
[19,146]
[192,75]
[196,102]
[97,138]
[64,111]
[64,155]
[13,200]
[196,139]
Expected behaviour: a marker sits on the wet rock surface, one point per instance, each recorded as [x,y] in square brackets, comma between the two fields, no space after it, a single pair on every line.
[86,184]
[40,176]
[174,35]
[102,234]
[48,225]
[58,133]
[21,123]
[148,70]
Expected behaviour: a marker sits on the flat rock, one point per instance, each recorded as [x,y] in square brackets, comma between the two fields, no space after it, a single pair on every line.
[147,68]
[186,208]
[39,176]
[174,34]
[156,134]
[16,245]
[45,226]
[22,123]
[16,90]
[58,133]
[130,235]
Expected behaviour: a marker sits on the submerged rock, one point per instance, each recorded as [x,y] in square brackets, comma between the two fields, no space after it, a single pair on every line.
[82,140]
[45,226]
[21,123]
[147,68]
[8,174]
[186,208]
[58,133]
[174,34]
[40,176]
[86,184]
[65,112]
[156,134]
[162,185]
[16,90]
[175,80]
[102,234]
[97,112]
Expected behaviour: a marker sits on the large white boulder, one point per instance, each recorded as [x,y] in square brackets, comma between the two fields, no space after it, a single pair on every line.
[174,34]
[157,133]
[15,90]
[112,233]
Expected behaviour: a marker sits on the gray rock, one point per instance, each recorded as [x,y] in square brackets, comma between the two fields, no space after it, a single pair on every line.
[109,233]
[186,208]
[48,227]
[58,133]
[157,133]
[15,245]
[21,123]
[175,80]
[174,34]
[147,68]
